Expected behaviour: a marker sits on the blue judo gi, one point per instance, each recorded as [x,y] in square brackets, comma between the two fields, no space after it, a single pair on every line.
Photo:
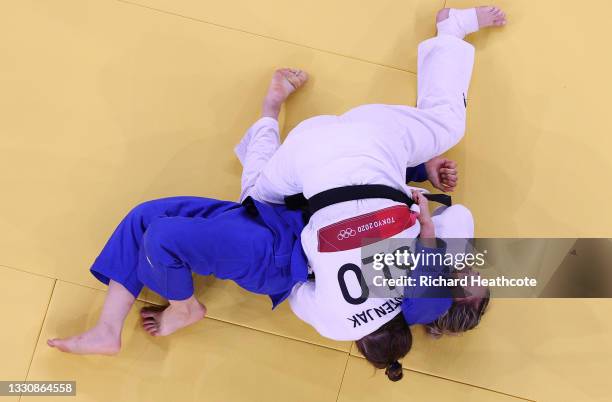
[424,304]
[160,243]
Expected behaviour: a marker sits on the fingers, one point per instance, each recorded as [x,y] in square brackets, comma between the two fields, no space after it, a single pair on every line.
[423,216]
[415,196]
[448,186]
[419,198]
[449,179]
[448,175]
[447,189]
[449,164]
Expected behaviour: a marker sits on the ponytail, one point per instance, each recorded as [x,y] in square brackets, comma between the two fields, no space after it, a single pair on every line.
[388,344]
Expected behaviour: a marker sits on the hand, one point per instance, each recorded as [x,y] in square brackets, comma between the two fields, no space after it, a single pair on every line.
[424,217]
[442,173]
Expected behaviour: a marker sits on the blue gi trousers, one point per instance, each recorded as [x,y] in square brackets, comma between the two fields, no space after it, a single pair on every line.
[160,243]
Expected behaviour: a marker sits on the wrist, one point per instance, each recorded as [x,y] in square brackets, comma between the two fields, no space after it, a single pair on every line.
[428,230]
[269,111]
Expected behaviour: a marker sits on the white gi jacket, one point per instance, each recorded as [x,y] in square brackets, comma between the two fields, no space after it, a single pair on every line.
[370,144]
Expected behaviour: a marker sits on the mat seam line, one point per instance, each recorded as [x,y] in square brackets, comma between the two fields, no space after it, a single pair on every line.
[279,335]
[333,349]
[348,357]
[459,382]
[220,320]
[471,385]
[265,36]
[150,302]
[42,324]
[27,272]
[55,280]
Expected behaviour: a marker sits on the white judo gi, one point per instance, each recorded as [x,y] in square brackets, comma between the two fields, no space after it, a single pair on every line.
[370,144]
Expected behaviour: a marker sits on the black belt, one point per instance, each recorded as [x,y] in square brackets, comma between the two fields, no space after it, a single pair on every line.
[352,193]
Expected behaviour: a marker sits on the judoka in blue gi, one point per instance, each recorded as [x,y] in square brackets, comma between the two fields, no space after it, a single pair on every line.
[160,243]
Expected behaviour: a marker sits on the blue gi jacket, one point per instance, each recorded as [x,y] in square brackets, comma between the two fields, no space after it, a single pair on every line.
[423,304]
[287,226]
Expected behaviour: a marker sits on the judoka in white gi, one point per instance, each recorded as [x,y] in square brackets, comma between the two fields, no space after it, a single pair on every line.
[370,144]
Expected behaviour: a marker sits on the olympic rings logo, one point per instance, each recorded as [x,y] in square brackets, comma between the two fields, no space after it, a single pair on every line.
[346,233]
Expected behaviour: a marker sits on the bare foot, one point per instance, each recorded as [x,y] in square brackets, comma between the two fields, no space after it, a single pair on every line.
[284,82]
[100,340]
[489,16]
[162,321]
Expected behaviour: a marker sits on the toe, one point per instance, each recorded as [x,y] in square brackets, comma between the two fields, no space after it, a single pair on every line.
[296,74]
[146,311]
[303,76]
[149,320]
[151,329]
[293,80]
[150,311]
[60,345]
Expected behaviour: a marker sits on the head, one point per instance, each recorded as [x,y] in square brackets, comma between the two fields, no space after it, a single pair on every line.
[469,305]
[384,347]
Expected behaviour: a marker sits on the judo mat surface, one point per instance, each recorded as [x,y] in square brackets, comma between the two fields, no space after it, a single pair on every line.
[109,103]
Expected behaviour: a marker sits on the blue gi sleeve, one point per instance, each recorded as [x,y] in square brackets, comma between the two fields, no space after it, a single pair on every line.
[416,174]
[423,304]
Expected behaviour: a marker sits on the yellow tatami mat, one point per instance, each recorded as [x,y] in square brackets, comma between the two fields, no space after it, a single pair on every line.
[538,136]
[110,103]
[546,350]
[228,302]
[100,116]
[361,384]
[384,32]
[23,302]
[212,360]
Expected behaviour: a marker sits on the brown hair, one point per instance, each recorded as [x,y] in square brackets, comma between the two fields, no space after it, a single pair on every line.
[385,346]
[462,316]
